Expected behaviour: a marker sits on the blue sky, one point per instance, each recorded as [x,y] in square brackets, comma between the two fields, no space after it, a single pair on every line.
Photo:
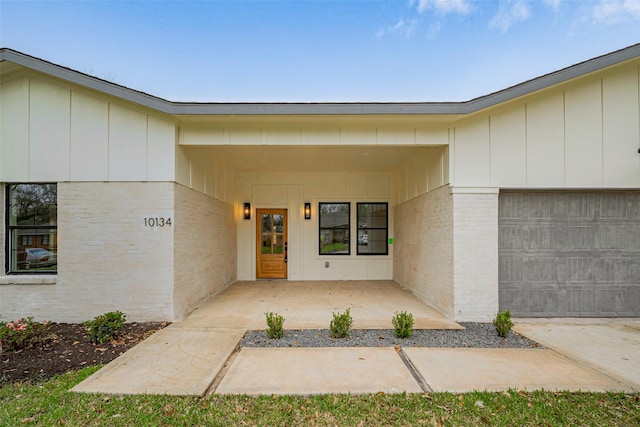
[322,50]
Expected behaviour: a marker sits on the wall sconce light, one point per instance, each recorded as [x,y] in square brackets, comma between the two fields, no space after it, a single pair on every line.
[247,210]
[307,210]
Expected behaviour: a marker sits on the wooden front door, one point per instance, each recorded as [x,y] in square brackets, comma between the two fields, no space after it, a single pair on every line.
[271,242]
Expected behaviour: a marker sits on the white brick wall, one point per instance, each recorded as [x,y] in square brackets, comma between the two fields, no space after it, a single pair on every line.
[205,248]
[475,277]
[107,259]
[423,248]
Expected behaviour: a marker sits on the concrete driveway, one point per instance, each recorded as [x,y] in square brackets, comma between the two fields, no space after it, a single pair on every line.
[611,346]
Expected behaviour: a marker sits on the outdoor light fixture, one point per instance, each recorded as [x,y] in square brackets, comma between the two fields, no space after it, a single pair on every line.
[307,210]
[247,210]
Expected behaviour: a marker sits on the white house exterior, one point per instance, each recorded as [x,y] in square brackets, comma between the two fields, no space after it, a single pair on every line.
[526,199]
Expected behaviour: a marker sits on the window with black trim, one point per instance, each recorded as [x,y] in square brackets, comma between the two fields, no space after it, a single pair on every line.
[32,228]
[335,222]
[373,229]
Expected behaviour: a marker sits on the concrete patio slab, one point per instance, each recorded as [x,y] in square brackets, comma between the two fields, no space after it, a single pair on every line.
[463,370]
[308,371]
[310,304]
[608,345]
[186,357]
[175,360]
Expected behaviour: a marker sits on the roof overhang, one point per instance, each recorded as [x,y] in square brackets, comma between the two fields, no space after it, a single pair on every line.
[9,59]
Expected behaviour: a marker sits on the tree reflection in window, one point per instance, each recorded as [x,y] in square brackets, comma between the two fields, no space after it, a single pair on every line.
[272,234]
[32,228]
[334,222]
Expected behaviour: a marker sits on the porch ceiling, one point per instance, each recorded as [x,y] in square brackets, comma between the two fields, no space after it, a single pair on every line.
[365,158]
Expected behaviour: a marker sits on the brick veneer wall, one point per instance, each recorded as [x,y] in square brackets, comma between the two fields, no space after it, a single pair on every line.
[423,248]
[107,259]
[475,277]
[205,248]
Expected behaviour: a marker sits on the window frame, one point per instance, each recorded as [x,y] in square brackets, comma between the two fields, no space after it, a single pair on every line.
[385,228]
[35,228]
[347,228]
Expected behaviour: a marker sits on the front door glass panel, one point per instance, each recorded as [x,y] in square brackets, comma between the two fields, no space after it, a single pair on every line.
[272,235]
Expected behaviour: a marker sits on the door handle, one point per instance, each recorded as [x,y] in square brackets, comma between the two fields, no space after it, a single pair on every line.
[286,251]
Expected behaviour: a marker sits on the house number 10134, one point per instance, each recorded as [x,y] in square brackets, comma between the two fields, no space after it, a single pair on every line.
[157,222]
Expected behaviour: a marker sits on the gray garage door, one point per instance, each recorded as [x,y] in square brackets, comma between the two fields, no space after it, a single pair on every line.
[573,254]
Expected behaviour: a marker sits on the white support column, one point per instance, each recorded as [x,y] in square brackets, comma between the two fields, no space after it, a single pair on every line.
[475,253]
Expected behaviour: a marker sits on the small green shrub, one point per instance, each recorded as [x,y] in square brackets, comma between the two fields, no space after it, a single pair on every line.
[21,333]
[341,324]
[503,323]
[402,324]
[274,325]
[104,326]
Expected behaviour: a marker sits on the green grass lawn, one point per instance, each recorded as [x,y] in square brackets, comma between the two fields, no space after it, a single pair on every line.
[50,403]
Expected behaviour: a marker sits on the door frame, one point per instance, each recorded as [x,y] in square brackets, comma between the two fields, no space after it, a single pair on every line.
[258,243]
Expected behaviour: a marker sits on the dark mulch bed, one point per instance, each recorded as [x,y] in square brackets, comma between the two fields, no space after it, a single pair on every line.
[66,348]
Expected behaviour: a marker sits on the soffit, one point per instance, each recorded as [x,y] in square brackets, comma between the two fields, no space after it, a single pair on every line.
[7,68]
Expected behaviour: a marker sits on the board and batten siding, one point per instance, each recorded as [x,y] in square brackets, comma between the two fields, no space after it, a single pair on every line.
[290,191]
[582,135]
[332,130]
[206,172]
[422,174]
[54,132]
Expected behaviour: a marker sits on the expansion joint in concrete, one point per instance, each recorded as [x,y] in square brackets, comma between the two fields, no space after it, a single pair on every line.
[414,371]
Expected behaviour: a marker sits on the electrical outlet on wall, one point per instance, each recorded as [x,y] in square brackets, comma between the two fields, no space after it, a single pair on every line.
[326,264]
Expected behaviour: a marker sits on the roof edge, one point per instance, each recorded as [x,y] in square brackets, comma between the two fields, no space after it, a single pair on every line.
[554,78]
[321,108]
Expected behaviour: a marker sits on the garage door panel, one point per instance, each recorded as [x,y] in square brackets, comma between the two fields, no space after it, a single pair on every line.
[510,237]
[615,206]
[580,237]
[541,237]
[609,302]
[579,270]
[613,270]
[612,236]
[580,301]
[539,269]
[570,253]
[581,206]
[546,301]
[510,269]
[511,206]
[544,206]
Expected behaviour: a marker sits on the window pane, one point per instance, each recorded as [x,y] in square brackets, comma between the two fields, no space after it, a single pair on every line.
[278,221]
[33,204]
[266,243]
[278,243]
[334,215]
[334,228]
[32,220]
[272,236]
[266,223]
[373,229]
[34,251]
[334,241]
[374,242]
[372,215]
